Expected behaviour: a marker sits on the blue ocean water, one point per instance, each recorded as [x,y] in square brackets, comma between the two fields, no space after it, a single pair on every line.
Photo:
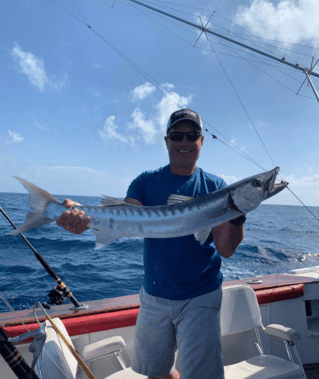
[278,238]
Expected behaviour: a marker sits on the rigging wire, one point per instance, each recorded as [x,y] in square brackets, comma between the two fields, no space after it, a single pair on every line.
[147,15]
[258,68]
[170,95]
[247,31]
[267,39]
[167,93]
[263,60]
[252,123]
[239,151]
[78,11]
[13,310]
[259,41]
[242,104]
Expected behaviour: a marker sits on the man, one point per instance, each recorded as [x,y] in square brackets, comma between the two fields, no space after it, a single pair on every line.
[181,294]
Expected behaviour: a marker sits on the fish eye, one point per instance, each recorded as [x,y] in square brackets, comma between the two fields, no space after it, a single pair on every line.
[257,183]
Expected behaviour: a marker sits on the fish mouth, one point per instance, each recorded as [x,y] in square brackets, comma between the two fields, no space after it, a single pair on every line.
[273,188]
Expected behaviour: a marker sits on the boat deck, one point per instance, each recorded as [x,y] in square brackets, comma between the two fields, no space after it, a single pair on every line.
[290,300]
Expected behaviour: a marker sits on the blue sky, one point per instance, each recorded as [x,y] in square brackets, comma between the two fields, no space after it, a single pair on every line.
[77,119]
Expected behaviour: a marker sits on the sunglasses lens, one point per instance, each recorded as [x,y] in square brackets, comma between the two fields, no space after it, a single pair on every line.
[192,136]
[178,136]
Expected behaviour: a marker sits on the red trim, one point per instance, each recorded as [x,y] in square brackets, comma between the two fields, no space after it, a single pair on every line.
[122,312]
[86,324]
[272,295]
[121,319]
[100,322]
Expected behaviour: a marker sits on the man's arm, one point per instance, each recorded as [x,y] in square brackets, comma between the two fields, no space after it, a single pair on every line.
[227,238]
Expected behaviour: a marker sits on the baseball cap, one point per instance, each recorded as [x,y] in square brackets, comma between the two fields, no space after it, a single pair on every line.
[184,115]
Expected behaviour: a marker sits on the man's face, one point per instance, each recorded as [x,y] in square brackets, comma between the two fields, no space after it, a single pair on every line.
[183,154]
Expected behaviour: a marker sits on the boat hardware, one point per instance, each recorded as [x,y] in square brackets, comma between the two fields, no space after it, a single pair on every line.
[36,346]
[254,281]
[307,71]
[60,292]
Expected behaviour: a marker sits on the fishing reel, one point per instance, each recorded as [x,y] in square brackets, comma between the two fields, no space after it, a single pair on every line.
[60,292]
[58,295]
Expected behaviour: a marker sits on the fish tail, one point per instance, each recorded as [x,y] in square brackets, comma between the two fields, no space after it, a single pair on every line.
[40,200]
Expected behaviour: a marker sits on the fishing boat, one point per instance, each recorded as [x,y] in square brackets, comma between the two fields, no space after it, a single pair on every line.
[101,331]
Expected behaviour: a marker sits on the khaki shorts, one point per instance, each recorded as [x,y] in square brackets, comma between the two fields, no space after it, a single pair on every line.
[191,326]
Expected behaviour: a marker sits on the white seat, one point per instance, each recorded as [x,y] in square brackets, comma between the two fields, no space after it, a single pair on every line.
[57,362]
[127,373]
[240,313]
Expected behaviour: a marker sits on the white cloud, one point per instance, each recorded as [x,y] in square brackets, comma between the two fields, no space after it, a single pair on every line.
[58,84]
[33,67]
[230,179]
[168,86]
[96,65]
[149,129]
[234,142]
[287,20]
[14,137]
[310,182]
[142,91]
[169,104]
[109,131]
[146,128]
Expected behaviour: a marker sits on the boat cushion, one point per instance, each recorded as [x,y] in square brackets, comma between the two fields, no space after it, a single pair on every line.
[240,311]
[56,360]
[103,347]
[263,367]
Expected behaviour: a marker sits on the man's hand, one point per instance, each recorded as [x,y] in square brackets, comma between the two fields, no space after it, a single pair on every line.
[75,221]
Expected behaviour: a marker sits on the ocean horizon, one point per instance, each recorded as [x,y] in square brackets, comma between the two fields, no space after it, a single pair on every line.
[278,238]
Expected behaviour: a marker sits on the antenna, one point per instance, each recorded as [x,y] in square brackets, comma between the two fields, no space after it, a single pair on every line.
[307,71]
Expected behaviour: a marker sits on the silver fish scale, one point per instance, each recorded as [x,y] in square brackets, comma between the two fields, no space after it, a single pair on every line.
[179,218]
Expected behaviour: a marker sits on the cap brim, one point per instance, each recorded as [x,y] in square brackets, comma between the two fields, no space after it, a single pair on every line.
[185,121]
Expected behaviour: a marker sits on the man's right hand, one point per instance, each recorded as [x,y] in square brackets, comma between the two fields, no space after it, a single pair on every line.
[74,221]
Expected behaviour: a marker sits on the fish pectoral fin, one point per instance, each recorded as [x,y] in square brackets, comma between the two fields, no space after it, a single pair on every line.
[202,235]
[176,199]
[108,201]
[104,237]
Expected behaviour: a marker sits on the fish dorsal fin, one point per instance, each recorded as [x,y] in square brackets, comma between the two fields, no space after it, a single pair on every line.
[176,199]
[108,201]
[202,235]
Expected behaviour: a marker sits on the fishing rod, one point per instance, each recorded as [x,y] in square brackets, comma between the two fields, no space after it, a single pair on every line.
[60,292]
[14,359]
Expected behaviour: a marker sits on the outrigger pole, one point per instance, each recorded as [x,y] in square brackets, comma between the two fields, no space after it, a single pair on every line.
[58,294]
[307,71]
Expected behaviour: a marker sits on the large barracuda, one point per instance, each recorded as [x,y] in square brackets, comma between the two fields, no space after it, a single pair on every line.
[182,216]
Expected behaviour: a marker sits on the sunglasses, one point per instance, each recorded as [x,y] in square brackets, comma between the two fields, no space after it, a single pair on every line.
[179,136]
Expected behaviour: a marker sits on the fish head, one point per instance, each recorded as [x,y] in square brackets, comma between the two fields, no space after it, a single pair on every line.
[248,193]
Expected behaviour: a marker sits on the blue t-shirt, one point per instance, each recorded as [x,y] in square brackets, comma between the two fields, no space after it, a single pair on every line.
[177,268]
